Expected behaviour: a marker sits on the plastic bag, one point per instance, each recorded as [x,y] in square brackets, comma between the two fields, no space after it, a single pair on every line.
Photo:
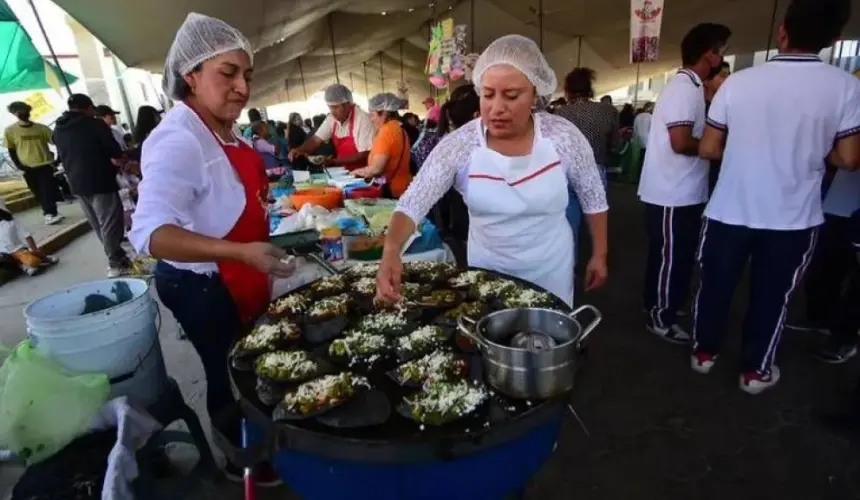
[42,407]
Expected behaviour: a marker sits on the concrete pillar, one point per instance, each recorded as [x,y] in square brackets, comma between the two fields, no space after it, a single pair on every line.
[90,56]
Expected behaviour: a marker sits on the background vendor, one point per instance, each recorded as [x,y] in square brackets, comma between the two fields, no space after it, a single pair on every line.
[512,166]
[347,127]
[202,206]
[390,154]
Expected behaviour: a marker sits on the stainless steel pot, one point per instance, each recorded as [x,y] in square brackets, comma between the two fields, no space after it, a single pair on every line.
[530,353]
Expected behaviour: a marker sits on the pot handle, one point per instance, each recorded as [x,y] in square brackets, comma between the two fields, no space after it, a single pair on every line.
[462,323]
[591,326]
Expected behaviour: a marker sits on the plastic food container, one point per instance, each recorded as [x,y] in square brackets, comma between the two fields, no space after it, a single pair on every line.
[327,197]
[331,241]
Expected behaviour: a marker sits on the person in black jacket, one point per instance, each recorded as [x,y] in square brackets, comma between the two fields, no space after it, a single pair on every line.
[90,156]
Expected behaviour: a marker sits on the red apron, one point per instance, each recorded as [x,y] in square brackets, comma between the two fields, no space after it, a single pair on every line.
[249,287]
[345,146]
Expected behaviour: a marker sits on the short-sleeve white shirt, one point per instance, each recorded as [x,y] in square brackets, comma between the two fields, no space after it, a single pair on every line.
[781,120]
[668,178]
[363,130]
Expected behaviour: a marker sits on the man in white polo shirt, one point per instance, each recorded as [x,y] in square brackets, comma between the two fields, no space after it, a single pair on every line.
[348,128]
[773,126]
[674,183]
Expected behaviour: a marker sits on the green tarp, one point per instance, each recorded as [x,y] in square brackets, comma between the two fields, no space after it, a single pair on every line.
[21,66]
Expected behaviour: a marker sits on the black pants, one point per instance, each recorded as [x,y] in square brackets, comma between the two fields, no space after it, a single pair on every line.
[832,287]
[41,182]
[673,236]
[778,261]
[64,191]
[208,316]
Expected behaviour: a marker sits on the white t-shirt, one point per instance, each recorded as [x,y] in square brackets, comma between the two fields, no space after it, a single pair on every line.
[12,237]
[641,128]
[669,179]
[782,119]
[362,133]
[118,135]
[843,197]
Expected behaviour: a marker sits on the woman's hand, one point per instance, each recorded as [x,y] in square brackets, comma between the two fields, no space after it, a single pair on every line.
[388,278]
[596,273]
[267,258]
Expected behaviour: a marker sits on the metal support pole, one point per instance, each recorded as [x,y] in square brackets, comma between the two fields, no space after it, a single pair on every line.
[402,80]
[540,25]
[287,88]
[50,48]
[636,88]
[472,25]
[333,54]
[366,88]
[302,76]
[381,73]
[839,55]
[579,53]
[770,30]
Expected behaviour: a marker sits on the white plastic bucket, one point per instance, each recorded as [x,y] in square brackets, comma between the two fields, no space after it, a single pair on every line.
[121,341]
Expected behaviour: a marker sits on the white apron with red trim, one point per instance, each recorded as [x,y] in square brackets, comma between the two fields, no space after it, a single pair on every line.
[517,222]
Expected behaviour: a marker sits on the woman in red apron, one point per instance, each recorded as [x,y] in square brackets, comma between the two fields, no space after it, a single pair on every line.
[351,150]
[202,207]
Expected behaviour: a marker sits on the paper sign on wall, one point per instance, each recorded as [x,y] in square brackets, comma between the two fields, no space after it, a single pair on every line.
[40,104]
[646,16]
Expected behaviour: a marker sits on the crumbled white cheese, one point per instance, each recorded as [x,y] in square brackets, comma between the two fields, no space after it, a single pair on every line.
[336,282]
[526,297]
[321,388]
[445,398]
[426,335]
[431,366]
[467,278]
[330,304]
[383,321]
[293,303]
[359,343]
[367,269]
[365,286]
[494,288]
[297,363]
[266,335]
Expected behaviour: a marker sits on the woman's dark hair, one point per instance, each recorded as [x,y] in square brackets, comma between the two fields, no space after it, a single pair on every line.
[812,25]
[579,82]
[281,129]
[183,90]
[703,38]
[625,118]
[318,120]
[309,123]
[460,109]
[147,119]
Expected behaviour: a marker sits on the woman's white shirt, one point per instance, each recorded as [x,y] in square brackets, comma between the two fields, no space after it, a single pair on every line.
[448,163]
[187,182]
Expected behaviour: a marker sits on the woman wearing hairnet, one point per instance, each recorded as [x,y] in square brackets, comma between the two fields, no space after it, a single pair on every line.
[347,127]
[390,155]
[202,204]
[512,166]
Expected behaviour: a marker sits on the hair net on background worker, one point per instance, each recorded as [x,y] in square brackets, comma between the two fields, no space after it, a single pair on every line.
[199,39]
[524,55]
[337,94]
[385,102]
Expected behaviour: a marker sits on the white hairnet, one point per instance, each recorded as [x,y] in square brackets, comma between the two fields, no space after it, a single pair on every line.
[337,94]
[524,55]
[200,38]
[385,102]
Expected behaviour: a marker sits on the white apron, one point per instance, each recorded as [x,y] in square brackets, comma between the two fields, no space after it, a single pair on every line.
[517,222]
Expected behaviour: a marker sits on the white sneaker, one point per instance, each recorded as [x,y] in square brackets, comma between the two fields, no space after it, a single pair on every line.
[702,362]
[674,334]
[50,220]
[755,382]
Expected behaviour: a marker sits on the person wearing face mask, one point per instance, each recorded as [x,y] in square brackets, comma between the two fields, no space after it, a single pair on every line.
[348,128]
[27,143]
[513,166]
[674,182]
[202,206]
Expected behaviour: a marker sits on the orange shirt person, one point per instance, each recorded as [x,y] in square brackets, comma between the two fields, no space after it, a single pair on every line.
[389,156]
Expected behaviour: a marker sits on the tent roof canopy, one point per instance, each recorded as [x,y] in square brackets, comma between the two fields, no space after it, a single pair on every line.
[594,33]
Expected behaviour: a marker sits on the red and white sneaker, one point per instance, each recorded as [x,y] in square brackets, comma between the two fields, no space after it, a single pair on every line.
[702,362]
[756,382]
